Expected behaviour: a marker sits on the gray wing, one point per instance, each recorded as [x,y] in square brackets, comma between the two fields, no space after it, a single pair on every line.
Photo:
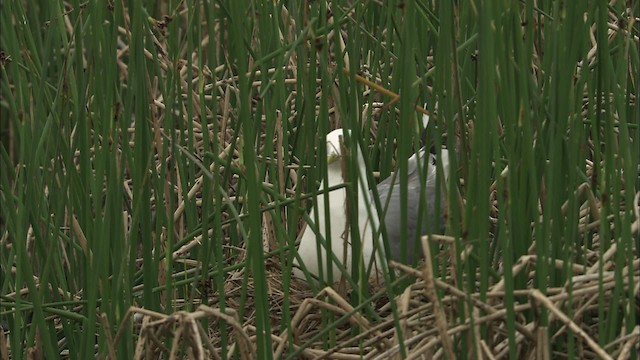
[389,191]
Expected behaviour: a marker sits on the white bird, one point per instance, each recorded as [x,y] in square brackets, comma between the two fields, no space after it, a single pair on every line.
[311,250]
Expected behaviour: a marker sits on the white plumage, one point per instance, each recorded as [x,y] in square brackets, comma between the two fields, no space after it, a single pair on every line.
[389,191]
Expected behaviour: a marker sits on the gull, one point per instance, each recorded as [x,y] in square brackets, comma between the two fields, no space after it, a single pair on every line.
[312,251]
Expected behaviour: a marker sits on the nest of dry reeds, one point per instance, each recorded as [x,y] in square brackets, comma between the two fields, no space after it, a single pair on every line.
[425,325]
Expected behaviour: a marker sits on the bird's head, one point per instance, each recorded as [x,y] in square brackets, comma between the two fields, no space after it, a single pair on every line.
[335,139]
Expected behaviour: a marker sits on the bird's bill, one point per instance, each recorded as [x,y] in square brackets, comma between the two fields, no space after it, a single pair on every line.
[332,157]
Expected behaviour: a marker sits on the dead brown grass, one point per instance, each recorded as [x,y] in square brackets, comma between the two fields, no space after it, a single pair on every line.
[429,325]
